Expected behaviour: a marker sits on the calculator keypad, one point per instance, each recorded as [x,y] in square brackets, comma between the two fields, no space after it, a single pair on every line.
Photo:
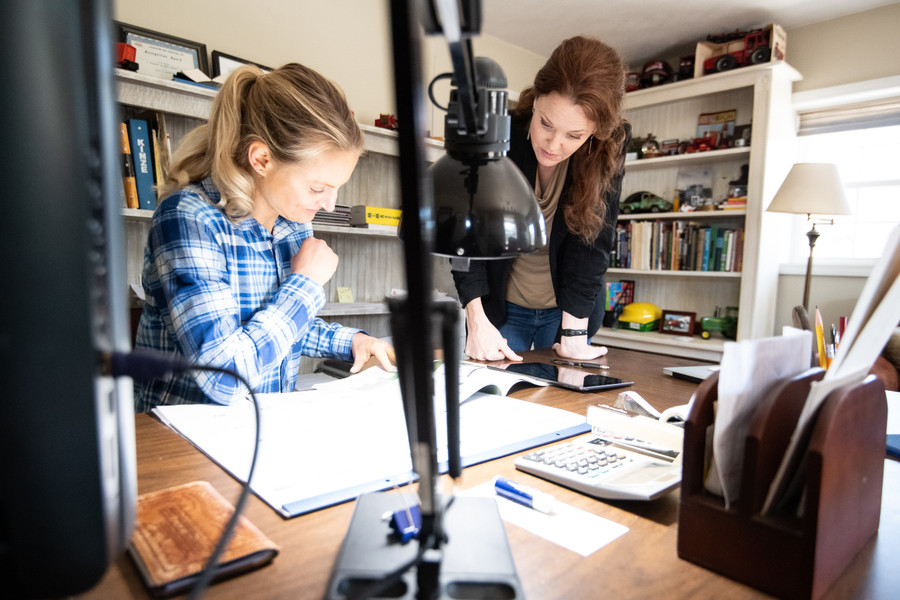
[592,459]
[598,465]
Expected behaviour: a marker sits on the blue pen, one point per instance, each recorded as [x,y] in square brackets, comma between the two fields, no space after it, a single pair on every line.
[531,498]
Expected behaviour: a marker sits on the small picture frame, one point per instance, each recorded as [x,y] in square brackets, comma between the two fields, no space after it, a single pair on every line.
[676,322]
[223,64]
[160,55]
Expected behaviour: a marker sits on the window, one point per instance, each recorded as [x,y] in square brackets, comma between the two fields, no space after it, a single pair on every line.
[867,160]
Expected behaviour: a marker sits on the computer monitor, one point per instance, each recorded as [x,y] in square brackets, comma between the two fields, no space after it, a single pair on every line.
[68,483]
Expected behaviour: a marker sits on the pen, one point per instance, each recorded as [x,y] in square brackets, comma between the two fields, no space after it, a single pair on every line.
[575,363]
[511,490]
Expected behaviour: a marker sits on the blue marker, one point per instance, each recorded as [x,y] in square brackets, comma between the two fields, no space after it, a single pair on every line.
[531,498]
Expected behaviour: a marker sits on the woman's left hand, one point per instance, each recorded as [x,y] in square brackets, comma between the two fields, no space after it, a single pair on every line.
[366,348]
[576,347]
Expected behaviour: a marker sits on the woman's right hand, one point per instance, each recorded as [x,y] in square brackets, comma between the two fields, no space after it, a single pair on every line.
[484,341]
[316,260]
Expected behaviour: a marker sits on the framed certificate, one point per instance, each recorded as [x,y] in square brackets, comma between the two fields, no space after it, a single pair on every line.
[223,64]
[160,55]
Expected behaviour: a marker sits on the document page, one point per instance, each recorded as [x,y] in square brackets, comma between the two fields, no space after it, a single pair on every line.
[329,444]
[747,370]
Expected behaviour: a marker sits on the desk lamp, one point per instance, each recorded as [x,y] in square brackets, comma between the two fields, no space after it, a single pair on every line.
[811,189]
[480,206]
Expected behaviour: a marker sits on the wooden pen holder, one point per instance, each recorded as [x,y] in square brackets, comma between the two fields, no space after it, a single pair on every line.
[786,555]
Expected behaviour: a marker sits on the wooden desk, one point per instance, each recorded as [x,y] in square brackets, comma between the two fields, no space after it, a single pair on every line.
[641,564]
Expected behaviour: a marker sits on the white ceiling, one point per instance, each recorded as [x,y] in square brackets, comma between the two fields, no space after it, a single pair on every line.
[643,30]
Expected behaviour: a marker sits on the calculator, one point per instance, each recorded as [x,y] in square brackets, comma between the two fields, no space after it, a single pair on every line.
[625,457]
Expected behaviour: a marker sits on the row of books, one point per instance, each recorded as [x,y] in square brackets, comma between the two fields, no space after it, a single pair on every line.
[340,217]
[372,217]
[145,152]
[677,246]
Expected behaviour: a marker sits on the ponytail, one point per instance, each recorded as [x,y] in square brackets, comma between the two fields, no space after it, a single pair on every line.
[293,110]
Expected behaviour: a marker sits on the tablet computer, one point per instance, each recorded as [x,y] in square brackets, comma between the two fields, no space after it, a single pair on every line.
[568,377]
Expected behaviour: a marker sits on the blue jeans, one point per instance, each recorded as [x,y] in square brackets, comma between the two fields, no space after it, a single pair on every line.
[527,326]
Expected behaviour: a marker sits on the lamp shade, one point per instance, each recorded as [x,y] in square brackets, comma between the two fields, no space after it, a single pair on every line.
[811,189]
[484,209]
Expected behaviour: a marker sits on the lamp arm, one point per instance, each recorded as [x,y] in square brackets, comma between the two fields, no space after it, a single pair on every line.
[460,46]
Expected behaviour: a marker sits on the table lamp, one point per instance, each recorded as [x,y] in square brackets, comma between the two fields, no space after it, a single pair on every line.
[811,189]
[473,203]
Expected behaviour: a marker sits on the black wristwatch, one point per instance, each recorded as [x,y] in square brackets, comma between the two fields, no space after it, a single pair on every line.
[573,332]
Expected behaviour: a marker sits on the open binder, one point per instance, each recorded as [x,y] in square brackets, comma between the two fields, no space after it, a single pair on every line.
[787,554]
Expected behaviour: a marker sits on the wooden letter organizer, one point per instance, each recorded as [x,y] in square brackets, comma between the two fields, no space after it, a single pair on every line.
[783,554]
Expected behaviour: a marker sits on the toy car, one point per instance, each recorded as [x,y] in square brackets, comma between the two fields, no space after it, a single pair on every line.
[725,324]
[644,202]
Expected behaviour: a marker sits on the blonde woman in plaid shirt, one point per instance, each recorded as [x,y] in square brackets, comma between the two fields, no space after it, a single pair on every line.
[233,276]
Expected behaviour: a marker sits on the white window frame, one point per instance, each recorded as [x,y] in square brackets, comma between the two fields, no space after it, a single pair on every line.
[885,88]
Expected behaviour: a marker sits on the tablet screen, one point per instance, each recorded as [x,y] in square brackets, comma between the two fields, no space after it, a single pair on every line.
[572,378]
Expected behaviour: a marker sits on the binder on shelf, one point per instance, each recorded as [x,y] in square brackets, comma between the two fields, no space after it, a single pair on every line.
[361,215]
[139,136]
[843,475]
[131,195]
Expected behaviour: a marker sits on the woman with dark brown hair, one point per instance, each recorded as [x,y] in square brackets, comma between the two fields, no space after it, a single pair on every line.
[569,138]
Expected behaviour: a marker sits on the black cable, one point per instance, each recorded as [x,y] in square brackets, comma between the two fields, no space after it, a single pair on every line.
[209,571]
[147,365]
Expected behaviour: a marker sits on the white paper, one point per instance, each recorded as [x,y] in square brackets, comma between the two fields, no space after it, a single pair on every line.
[747,370]
[569,527]
[349,432]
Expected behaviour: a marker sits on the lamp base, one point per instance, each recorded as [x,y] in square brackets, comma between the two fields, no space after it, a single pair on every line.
[476,563]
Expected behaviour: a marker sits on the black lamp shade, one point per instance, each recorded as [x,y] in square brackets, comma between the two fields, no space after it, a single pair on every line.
[484,209]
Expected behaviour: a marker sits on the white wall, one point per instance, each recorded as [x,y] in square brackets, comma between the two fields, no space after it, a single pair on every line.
[348,41]
[855,48]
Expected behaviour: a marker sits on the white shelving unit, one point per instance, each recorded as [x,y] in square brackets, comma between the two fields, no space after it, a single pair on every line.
[370,259]
[761,96]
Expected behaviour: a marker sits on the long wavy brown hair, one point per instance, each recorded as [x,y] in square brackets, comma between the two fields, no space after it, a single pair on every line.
[592,74]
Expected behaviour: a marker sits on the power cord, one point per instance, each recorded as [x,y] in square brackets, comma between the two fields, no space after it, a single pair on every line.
[146,365]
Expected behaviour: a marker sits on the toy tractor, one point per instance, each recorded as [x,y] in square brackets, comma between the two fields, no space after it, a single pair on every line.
[725,323]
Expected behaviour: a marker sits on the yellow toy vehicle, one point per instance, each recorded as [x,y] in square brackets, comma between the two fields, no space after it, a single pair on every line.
[640,316]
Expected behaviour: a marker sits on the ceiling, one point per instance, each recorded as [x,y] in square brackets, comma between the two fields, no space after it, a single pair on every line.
[643,30]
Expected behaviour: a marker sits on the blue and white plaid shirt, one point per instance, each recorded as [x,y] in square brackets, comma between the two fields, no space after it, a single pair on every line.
[223,294]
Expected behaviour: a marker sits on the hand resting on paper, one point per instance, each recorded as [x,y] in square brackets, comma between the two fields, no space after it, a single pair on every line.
[368,349]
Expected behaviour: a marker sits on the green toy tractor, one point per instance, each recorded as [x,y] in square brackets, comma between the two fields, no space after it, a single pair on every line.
[725,323]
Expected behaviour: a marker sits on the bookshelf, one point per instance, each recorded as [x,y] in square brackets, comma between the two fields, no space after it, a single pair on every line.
[761,96]
[371,262]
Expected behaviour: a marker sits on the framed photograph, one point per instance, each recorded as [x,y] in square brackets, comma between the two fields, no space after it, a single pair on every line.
[160,55]
[223,64]
[677,322]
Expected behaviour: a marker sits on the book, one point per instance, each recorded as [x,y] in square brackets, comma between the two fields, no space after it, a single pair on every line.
[178,529]
[374,215]
[131,194]
[162,149]
[139,136]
